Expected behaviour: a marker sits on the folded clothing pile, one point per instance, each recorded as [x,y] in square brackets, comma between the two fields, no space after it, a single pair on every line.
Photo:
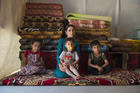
[90,27]
[44,22]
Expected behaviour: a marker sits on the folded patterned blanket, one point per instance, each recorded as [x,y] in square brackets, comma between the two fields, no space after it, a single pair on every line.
[87,17]
[41,36]
[119,43]
[43,47]
[39,29]
[40,33]
[97,33]
[44,6]
[44,9]
[89,21]
[90,37]
[87,47]
[96,24]
[126,45]
[102,42]
[91,29]
[43,19]
[42,24]
[121,49]
[43,41]
[45,12]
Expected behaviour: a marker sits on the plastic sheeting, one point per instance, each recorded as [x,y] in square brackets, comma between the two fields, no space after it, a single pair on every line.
[10,16]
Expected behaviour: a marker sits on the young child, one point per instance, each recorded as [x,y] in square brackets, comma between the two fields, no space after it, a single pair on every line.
[97,62]
[68,58]
[33,60]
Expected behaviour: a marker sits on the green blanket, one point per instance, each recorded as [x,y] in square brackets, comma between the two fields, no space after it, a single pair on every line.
[87,17]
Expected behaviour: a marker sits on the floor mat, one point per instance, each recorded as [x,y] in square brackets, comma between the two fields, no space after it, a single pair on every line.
[119,77]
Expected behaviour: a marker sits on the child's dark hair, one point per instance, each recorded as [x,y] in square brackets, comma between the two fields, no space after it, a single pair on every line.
[69,25]
[95,43]
[35,40]
[69,39]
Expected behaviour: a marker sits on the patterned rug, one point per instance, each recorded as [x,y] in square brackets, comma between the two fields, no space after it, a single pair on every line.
[121,77]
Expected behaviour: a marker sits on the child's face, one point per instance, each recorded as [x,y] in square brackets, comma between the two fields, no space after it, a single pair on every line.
[36,46]
[69,45]
[96,49]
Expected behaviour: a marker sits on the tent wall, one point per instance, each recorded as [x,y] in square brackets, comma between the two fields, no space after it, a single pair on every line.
[129,18]
[10,17]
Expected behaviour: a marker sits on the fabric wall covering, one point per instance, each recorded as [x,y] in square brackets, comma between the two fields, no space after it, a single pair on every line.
[11,12]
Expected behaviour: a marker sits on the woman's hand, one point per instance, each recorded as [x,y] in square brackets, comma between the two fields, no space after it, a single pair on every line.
[62,68]
[64,64]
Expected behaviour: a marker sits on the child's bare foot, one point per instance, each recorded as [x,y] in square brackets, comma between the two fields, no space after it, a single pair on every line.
[78,77]
[75,78]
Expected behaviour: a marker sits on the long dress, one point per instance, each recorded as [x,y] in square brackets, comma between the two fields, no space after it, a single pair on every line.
[34,65]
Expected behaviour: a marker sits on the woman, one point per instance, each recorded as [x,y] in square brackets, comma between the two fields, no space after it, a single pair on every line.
[69,32]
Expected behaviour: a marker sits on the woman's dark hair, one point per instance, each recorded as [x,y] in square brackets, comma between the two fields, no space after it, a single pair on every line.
[64,34]
[95,43]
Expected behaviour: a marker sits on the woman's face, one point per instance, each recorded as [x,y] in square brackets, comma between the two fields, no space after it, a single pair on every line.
[70,32]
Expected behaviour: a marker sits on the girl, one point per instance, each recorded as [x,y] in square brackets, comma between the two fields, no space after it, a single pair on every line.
[69,32]
[33,60]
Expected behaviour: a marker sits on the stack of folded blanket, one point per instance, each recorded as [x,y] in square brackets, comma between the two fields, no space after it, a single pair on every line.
[44,22]
[90,27]
[46,44]
[126,45]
